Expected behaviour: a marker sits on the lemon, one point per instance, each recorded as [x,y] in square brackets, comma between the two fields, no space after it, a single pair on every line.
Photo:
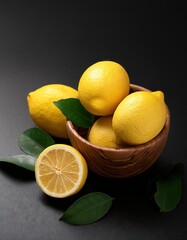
[43,111]
[102,133]
[102,87]
[139,117]
[60,171]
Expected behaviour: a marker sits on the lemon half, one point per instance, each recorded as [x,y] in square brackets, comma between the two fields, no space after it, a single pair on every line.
[60,171]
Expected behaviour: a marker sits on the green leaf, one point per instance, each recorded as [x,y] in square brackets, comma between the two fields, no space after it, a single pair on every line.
[24,161]
[169,188]
[75,112]
[88,209]
[34,140]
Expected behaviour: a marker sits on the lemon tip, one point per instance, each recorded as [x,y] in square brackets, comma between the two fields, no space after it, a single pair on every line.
[159,94]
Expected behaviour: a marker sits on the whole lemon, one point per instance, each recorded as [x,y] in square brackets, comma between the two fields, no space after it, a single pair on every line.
[43,111]
[139,117]
[102,133]
[102,87]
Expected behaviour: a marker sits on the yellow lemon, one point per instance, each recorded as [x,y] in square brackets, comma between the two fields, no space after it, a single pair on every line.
[60,171]
[102,87]
[139,117]
[43,111]
[102,133]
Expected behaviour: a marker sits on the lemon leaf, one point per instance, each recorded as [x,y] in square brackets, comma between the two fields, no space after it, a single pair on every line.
[88,209]
[34,140]
[169,188]
[24,161]
[75,112]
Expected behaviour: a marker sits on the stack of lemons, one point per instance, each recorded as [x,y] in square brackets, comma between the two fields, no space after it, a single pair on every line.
[104,90]
[123,118]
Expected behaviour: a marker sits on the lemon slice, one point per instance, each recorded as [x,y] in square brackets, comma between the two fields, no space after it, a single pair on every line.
[60,171]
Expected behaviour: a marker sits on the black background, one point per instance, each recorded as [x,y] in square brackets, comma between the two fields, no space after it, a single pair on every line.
[44,42]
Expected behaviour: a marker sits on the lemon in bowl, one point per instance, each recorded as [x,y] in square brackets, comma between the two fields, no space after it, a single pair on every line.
[102,134]
[102,86]
[139,117]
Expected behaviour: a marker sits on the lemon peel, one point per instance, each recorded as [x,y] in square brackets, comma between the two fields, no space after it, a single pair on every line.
[43,111]
[139,117]
[102,133]
[102,87]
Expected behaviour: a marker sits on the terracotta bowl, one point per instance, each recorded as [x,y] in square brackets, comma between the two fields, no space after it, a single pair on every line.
[123,162]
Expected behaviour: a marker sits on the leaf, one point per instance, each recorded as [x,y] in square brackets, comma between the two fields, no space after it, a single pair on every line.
[24,161]
[169,188]
[34,140]
[88,209]
[75,112]
[158,173]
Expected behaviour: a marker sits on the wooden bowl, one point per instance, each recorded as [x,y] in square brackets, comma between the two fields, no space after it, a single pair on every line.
[123,162]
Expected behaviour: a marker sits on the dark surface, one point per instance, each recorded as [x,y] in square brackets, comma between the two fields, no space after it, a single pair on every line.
[45,42]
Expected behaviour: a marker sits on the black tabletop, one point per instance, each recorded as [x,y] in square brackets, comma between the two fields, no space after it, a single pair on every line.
[44,42]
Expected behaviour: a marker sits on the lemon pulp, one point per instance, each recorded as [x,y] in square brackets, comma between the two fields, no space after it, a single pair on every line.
[60,171]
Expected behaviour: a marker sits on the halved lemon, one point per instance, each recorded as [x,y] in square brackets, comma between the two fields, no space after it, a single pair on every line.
[60,171]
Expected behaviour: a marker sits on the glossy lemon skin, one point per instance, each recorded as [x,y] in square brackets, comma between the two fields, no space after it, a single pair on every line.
[139,117]
[43,111]
[102,133]
[102,87]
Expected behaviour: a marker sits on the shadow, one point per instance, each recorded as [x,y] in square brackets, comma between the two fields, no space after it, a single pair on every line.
[62,141]
[16,173]
[130,195]
[61,204]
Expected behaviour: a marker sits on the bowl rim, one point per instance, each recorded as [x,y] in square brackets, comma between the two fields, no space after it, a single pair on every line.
[166,127]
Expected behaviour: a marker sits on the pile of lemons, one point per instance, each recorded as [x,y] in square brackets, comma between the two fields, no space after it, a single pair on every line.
[104,90]
[123,118]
